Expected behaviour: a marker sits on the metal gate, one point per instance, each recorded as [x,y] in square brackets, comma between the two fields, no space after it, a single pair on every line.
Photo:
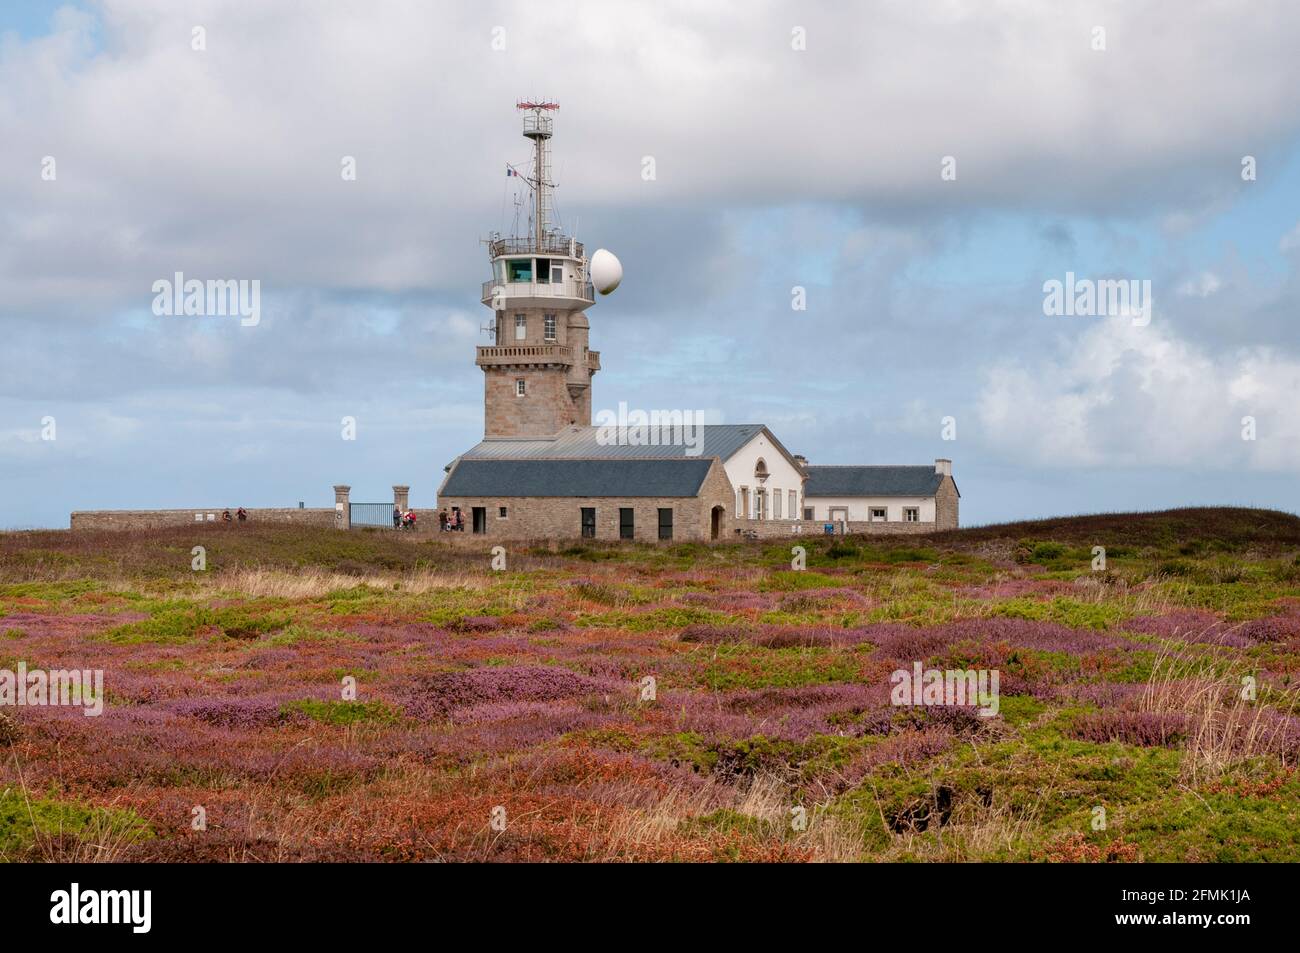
[373,514]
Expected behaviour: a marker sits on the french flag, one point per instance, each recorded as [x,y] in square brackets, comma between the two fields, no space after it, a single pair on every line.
[510,172]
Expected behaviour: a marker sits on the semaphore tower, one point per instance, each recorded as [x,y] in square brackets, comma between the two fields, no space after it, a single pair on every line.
[537,371]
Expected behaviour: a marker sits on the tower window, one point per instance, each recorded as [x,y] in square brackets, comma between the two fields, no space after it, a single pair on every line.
[521,387]
[549,327]
[520,270]
[521,326]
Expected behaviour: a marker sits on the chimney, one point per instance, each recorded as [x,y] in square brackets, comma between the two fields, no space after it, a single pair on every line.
[943,467]
[800,459]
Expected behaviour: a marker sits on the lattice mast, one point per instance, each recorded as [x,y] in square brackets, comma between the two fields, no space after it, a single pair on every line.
[538,127]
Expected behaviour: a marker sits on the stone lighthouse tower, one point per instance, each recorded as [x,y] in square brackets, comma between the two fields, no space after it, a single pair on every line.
[537,371]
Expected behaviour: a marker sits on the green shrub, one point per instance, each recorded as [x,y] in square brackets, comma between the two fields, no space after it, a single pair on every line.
[343,713]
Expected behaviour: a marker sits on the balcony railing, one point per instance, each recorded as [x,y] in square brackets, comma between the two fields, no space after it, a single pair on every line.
[550,245]
[495,355]
[569,288]
[524,354]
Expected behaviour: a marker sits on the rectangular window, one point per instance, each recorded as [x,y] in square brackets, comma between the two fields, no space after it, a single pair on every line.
[776,504]
[557,271]
[543,270]
[521,327]
[521,387]
[502,512]
[760,504]
[665,522]
[794,504]
[625,522]
[808,513]
[740,512]
[878,514]
[549,325]
[520,270]
[911,514]
[589,522]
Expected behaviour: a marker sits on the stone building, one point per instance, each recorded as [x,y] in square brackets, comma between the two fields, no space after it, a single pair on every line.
[543,471]
[709,483]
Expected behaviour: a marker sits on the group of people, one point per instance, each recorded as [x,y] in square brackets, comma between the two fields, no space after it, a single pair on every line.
[241,514]
[448,522]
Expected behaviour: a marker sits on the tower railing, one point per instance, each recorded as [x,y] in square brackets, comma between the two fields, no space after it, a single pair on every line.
[549,245]
[538,123]
[568,288]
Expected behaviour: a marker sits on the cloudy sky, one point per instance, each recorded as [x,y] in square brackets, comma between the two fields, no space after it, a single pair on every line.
[921,169]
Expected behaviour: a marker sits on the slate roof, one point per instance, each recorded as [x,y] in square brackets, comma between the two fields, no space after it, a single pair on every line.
[872,481]
[572,478]
[719,440]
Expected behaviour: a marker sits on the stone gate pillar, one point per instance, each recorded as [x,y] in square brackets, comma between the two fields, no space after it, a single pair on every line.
[402,497]
[342,508]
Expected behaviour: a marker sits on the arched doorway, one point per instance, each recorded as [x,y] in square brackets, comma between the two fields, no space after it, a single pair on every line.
[715,522]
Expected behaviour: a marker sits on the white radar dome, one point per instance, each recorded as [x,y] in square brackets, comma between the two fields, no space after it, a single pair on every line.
[606,271]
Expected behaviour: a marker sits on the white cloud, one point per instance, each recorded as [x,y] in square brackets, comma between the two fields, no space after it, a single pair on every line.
[1200,286]
[1291,240]
[1117,395]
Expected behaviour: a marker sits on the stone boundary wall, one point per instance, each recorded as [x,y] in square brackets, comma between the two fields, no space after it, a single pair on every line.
[691,522]
[157,519]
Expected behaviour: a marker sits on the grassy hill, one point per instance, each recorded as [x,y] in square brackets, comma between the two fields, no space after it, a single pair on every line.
[371,695]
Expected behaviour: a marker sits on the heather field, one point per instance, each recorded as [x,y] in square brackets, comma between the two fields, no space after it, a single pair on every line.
[1147,711]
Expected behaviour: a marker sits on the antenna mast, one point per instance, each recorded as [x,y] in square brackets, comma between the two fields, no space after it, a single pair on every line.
[537,127]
